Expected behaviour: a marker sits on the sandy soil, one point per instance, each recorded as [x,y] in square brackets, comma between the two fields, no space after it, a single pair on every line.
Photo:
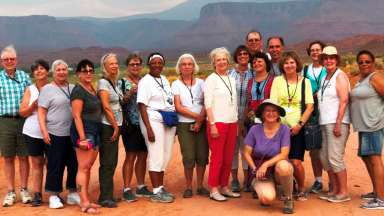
[357,179]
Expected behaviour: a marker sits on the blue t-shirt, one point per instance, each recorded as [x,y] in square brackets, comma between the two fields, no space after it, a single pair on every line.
[264,147]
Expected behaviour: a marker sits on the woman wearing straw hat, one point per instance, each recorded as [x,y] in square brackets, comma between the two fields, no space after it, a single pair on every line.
[334,122]
[266,151]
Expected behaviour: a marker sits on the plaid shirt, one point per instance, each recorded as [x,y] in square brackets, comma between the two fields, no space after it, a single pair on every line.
[241,88]
[12,91]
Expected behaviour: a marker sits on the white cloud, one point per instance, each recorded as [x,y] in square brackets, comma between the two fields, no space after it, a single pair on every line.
[95,8]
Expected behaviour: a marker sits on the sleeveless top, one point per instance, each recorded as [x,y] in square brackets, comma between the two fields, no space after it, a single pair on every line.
[31,126]
[329,101]
[367,107]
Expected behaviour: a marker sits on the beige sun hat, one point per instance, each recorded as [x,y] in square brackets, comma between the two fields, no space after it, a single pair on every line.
[329,50]
[261,107]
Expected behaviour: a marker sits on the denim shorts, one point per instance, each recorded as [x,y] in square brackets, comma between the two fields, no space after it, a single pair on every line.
[91,130]
[371,143]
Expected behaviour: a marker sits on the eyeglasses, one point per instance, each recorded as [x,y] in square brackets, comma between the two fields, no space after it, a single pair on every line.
[253,40]
[134,64]
[243,54]
[315,50]
[364,62]
[87,71]
[8,59]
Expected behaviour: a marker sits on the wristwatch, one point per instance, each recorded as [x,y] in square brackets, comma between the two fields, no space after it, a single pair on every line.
[301,123]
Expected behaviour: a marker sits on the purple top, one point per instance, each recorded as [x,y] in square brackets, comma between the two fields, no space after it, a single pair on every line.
[263,147]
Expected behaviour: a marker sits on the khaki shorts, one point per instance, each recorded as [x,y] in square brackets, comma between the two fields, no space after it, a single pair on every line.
[11,138]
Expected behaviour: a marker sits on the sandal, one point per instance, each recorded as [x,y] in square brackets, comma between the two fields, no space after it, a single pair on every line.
[89,209]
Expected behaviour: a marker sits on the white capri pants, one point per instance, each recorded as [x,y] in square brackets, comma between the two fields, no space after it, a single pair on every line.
[160,151]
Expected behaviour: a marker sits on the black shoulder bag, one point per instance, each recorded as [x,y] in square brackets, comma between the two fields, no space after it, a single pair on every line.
[312,133]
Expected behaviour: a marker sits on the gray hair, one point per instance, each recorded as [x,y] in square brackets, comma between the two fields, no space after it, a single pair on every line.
[8,49]
[186,56]
[220,50]
[102,63]
[57,63]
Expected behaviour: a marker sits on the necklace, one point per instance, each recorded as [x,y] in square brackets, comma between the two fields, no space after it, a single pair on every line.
[228,87]
[68,93]
[189,88]
[91,90]
[325,85]
[290,98]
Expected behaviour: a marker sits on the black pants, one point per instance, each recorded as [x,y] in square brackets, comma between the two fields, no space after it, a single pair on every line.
[108,162]
[60,154]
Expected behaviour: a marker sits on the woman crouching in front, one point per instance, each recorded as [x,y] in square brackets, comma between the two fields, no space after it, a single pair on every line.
[266,151]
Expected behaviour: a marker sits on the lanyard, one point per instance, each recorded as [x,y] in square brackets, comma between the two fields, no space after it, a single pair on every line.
[228,87]
[168,98]
[259,91]
[325,85]
[314,75]
[290,98]
[189,88]
[67,94]
[13,78]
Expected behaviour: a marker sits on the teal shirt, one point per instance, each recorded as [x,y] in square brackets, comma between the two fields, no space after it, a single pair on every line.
[315,76]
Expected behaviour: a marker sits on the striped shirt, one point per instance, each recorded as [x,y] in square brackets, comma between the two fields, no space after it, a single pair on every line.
[241,89]
[12,91]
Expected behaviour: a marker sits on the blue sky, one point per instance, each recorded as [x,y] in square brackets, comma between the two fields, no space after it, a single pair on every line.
[95,8]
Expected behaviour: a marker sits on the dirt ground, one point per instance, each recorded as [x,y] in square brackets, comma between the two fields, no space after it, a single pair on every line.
[358,182]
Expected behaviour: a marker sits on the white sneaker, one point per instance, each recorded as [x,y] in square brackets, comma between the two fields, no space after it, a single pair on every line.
[9,199]
[73,198]
[55,202]
[25,197]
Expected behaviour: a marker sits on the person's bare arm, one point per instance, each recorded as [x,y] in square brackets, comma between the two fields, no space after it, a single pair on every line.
[26,109]
[342,89]
[104,98]
[42,116]
[377,81]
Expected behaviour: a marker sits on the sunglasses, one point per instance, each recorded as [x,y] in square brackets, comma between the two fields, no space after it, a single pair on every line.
[364,62]
[87,71]
[243,54]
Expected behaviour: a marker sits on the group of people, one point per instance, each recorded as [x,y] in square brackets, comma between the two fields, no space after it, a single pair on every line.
[269,109]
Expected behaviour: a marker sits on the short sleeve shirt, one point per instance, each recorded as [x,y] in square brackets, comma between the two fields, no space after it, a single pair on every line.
[59,113]
[114,101]
[91,104]
[12,91]
[191,98]
[279,93]
[264,147]
[156,94]
[241,80]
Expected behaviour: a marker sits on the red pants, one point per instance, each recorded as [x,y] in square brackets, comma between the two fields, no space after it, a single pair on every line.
[222,149]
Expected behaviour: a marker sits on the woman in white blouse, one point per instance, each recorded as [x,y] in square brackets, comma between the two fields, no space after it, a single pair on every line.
[220,101]
[189,99]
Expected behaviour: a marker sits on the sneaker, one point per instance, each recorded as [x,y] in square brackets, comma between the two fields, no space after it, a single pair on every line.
[168,193]
[162,197]
[339,199]
[369,196]
[9,199]
[25,197]
[288,206]
[37,200]
[143,192]
[317,187]
[217,197]
[55,202]
[302,196]
[129,196]
[373,204]
[235,186]
[202,191]
[73,198]
[325,196]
